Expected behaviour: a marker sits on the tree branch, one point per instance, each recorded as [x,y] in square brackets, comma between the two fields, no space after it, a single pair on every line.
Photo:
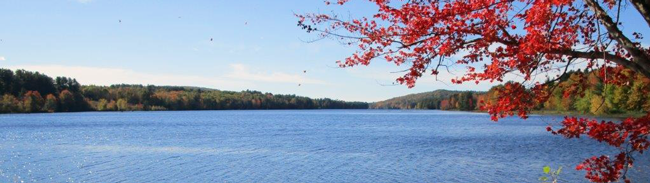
[643,6]
[637,54]
[608,56]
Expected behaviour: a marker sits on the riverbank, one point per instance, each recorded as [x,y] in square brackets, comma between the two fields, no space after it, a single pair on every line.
[537,112]
[573,113]
[576,113]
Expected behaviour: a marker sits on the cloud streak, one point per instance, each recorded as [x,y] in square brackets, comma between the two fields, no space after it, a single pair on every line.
[240,77]
[108,76]
[242,72]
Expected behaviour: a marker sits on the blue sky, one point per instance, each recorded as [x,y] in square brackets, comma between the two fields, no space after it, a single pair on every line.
[256,45]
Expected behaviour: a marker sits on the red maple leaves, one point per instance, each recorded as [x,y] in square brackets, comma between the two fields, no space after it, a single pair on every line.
[495,38]
[629,136]
[513,99]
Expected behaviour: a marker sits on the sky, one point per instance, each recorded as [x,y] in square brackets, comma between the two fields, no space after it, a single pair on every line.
[255,45]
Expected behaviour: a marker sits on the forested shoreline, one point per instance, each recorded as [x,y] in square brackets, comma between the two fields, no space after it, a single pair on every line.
[31,92]
[600,98]
[439,99]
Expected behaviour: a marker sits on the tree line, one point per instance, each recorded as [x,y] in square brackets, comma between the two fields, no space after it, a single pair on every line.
[29,92]
[598,99]
[439,99]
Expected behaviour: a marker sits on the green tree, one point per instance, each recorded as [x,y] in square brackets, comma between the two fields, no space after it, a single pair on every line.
[636,96]
[609,93]
[583,104]
[598,106]
[9,104]
[122,105]
[101,105]
[50,103]
[67,101]
[620,97]
[32,102]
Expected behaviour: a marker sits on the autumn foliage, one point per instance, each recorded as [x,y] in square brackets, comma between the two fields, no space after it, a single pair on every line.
[530,39]
[22,92]
[632,131]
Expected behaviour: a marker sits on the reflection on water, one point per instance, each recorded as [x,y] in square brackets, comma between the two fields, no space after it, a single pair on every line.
[287,146]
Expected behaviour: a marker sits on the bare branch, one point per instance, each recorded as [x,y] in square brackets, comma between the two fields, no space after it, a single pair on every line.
[640,58]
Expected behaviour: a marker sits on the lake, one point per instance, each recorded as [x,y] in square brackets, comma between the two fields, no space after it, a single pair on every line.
[288,146]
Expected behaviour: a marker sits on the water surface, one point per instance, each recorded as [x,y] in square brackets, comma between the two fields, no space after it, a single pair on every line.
[288,146]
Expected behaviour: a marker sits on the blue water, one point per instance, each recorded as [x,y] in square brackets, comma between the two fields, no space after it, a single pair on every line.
[288,146]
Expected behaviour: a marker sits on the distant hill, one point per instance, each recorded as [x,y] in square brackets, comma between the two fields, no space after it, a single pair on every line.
[438,99]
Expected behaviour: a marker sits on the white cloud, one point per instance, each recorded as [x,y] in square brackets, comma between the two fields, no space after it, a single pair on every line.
[242,72]
[239,78]
[108,76]
[2,58]
[386,76]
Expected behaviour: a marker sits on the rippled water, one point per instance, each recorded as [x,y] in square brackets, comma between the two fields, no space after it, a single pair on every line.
[287,146]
